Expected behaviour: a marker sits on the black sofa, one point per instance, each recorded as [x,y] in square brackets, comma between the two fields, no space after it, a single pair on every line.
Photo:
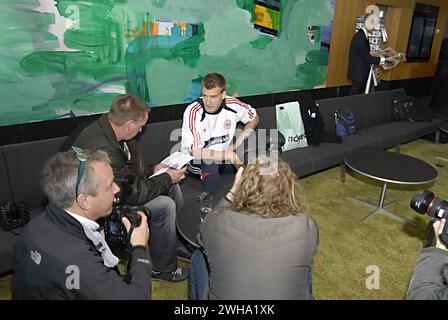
[20,164]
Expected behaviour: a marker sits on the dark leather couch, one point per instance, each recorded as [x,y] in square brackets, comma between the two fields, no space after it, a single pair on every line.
[20,164]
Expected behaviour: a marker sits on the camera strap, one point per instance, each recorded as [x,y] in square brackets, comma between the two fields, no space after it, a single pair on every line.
[126,150]
[109,259]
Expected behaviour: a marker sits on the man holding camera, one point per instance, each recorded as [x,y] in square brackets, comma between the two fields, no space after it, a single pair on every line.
[114,133]
[430,277]
[61,254]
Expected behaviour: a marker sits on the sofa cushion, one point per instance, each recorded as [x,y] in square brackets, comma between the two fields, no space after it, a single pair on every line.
[268,118]
[7,242]
[300,160]
[415,130]
[25,162]
[304,161]
[312,159]
[356,141]
[386,135]
[5,184]
[172,131]
[152,143]
[379,106]
[353,103]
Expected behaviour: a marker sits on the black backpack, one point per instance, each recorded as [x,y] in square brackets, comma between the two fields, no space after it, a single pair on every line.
[13,215]
[411,109]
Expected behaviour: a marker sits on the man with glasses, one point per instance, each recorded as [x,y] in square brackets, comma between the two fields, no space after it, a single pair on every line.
[208,129]
[62,254]
[114,133]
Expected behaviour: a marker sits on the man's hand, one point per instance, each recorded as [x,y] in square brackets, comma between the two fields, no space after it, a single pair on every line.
[177,175]
[237,181]
[159,166]
[247,132]
[140,235]
[231,155]
[390,59]
[438,227]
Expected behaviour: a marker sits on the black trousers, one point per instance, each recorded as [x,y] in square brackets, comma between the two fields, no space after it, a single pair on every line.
[357,87]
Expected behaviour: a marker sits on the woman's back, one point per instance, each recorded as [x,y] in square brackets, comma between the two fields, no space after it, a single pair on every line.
[251,257]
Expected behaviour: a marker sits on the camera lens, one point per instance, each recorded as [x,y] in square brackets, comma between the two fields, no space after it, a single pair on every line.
[134,218]
[438,208]
[420,202]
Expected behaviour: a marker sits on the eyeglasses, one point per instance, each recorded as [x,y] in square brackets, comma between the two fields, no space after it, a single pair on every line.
[82,161]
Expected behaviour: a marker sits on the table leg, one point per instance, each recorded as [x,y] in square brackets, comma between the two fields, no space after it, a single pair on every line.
[342,171]
[382,208]
[441,159]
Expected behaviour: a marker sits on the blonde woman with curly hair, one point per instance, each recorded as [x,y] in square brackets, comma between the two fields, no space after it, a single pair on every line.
[258,243]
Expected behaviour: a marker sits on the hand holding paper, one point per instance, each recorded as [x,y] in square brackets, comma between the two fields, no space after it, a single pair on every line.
[174,162]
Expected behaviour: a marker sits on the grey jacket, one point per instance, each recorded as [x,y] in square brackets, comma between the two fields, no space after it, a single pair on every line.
[100,136]
[427,282]
[251,257]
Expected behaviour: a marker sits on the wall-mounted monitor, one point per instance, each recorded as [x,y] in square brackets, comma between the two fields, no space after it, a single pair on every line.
[267,16]
[423,28]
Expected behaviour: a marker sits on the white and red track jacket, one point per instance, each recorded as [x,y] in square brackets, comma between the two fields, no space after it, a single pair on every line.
[201,129]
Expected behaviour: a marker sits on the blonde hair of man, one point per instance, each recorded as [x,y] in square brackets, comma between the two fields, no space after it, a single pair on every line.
[127,107]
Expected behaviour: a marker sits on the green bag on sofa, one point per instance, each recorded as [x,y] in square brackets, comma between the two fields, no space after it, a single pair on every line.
[290,124]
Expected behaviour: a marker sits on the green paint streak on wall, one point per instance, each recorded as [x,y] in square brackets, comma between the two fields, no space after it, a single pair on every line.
[35,81]
[169,79]
[188,50]
[227,30]
[20,29]
[254,63]
[70,64]
[182,10]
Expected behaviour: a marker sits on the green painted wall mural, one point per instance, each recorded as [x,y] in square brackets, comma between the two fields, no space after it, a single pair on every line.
[68,58]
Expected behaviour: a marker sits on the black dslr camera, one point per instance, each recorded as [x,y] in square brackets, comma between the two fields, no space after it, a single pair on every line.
[434,207]
[13,215]
[115,233]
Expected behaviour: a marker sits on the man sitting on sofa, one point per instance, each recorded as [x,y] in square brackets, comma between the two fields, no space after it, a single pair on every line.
[114,133]
[208,129]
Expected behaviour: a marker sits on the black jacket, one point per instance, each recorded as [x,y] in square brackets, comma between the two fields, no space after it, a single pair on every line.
[100,136]
[360,58]
[53,245]
[313,122]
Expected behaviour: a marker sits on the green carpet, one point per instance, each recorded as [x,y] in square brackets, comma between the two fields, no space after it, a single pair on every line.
[347,248]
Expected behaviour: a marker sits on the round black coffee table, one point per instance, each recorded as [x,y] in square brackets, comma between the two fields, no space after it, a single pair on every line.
[189,218]
[389,167]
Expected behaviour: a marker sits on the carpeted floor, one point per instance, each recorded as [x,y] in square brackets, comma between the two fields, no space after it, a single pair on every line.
[348,249]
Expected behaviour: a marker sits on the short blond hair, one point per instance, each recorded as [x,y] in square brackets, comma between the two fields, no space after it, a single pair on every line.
[269,188]
[127,107]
